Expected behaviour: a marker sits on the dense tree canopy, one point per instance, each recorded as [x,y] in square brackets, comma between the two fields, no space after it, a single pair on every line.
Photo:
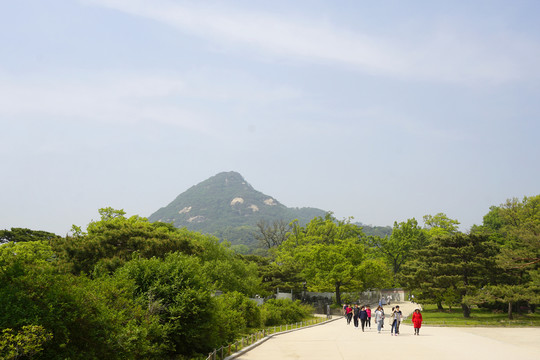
[397,248]
[24,235]
[126,288]
[328,252]
[515,226]
[451,268]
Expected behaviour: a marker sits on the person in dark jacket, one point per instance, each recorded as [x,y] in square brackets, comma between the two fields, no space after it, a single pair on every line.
[363,316]
[356,314]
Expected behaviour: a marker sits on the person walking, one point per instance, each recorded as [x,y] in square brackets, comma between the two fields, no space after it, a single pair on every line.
[379,318]
[349,314]
[397,315]
[356,314]
[368,320]
[417,321]
[363,316]
[392,324]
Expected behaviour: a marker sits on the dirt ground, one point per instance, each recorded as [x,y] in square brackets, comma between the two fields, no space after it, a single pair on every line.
[337,340]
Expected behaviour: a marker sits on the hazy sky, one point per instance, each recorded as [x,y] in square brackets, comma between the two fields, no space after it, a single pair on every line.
[380,110]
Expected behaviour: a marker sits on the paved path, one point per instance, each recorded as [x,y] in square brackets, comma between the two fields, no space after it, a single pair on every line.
[336,340]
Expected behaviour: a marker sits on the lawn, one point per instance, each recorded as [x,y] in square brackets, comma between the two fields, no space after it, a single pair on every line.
[479,317]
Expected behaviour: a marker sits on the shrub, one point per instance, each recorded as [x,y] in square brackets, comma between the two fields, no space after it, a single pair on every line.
[284,311]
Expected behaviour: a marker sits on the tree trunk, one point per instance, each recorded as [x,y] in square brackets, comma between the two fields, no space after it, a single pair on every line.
[510,316]
[338,294]
[466,310]
[439,306]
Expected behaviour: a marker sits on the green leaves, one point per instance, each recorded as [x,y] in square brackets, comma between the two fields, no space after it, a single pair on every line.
[24,343]
[451,267]
[327,252]
[396,249]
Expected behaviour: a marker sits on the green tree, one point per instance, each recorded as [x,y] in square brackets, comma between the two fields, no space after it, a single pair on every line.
[178,291]
[451,269]
[285,276]
[88,319]
[25,235]
[515,226]
[328,253]
[396,249]
[440,225]
[113,240]
[24,343]
[225,269]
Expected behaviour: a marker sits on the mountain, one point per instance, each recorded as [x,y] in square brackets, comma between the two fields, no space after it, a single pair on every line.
[227,204]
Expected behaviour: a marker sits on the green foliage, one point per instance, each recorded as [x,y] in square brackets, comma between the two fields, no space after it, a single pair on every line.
[377,231]
[235,314]
[225,269]
[87,318]
[451,268]
[515,226]
[328,253]
[440,225]
[154,308]
[272,275]
[25,235]
[114,240]
[178,292]
[284,311]
[397,249]
[375,274]
[26,342]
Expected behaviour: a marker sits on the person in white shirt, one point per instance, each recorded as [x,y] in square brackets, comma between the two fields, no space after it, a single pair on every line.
[397,315]
[379,318]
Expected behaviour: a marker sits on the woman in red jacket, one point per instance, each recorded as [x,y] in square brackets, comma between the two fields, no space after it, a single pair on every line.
[417,321]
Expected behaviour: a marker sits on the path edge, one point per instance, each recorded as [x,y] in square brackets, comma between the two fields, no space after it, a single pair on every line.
[263,340]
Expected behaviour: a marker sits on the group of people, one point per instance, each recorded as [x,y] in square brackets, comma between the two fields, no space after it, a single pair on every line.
[363,314]
[358,314]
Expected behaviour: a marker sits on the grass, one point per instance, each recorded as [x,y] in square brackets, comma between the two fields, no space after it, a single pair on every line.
[479,317]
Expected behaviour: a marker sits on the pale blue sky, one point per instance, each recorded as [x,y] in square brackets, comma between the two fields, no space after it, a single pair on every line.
[380,110]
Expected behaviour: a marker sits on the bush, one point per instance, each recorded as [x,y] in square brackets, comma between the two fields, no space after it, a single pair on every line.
[235,315]
[176,290]
[284,311]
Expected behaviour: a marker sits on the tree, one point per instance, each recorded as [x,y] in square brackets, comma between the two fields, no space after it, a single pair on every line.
[87,318]
[285,276]
[328,252]
[226,269]
[113,240]
[396,249]
[181,294]
[440,225]
[272,235]
[451,269]
[24,235]
[515,226]
[24,343]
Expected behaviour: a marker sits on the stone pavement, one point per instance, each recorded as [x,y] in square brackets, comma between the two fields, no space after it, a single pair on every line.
[337,340]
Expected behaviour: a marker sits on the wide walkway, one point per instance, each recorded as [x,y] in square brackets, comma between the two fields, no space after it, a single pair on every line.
[337,340]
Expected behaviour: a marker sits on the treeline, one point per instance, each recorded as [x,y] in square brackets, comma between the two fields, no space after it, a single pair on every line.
[127,289]
[496,264]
